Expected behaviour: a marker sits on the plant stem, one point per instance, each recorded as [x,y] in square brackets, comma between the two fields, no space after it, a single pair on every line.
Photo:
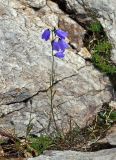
[29,126]
[51,86]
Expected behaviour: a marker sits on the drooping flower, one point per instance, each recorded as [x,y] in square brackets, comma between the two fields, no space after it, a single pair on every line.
[55,45]
[46,34]
[61,34]
[62,44]
[60,54]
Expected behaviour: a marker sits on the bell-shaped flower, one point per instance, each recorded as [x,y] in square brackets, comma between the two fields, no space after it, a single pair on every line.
[62,44]
[46,34]
[60,54]
[61,34]
[55,46]
[59,45]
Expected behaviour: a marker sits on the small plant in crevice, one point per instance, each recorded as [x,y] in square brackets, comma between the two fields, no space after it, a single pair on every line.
[95,27]
[103,64]
[103,48]
[87,139]
[30,146]
[101,57]
[107,115]
[97,42]
[40,144]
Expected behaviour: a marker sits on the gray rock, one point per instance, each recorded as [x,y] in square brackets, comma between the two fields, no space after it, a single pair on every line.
[48,17]
[85,53]
[112,104]
[54,7]
[36,3]
[76,32]
[111,135]
[109,154]
[25,64]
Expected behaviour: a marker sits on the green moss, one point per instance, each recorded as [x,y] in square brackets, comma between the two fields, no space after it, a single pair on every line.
[113,116]
[100,48]
[103,64]
[101,57]
[1,141]
[103,48]
[95,27]
[40,144]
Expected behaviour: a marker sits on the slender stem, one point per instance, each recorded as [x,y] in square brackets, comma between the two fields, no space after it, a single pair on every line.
[51,85]
[52,71]
[29,126]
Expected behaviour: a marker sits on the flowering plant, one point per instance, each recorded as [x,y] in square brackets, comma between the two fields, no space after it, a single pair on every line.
[59,45]
[58,41]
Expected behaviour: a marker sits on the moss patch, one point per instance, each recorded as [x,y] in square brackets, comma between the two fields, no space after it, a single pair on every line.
[40,144]
[97,42]
[95,27]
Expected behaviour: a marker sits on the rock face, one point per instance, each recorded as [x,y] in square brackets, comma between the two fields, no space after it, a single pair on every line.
[35,3]
[76,32]
[111,136]
[105,10]
[72,155]
[25,65]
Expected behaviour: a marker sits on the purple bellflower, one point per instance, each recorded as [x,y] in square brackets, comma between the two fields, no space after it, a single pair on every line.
[59,45]
[62,44]
[61,34]
[46,34]
[55,46]
[60,54]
